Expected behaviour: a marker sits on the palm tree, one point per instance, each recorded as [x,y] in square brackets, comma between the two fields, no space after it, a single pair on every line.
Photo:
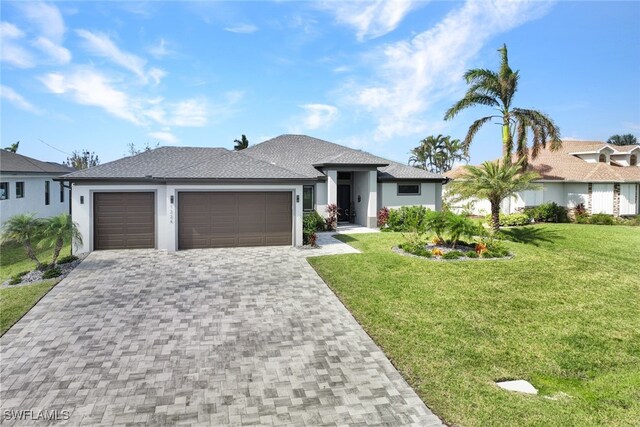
[13,147]
[437,153]
[56,231]
[494,181]
[241,143]
[497,89]
[627,139]
[24,229]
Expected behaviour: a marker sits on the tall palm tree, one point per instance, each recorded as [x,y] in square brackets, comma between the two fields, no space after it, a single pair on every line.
[241,143]
[497,89]
[56,231]
[24,229]
[437,153]
[493,181]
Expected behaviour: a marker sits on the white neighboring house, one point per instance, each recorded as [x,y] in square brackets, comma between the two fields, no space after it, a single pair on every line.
[177,198]
[605,178]
[27,186]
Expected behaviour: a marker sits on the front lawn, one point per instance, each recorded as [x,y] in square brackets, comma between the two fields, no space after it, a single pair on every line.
[13,259]
[563,314]
[15,302]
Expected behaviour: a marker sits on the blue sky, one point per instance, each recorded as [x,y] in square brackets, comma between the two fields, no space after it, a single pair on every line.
[371,75]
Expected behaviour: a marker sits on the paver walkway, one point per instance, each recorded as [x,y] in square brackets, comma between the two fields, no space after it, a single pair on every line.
[203,337]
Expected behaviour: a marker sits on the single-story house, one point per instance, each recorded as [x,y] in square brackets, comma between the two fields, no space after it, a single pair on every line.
[192,197]
[27,186]
[604,178]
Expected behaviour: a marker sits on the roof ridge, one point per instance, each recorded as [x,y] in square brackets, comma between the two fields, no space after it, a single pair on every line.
[273,165]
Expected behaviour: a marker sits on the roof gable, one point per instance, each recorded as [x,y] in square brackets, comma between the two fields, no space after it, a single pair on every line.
[11,162]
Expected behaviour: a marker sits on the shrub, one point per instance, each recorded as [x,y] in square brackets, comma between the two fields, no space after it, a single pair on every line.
[471,255]
[67,259]
[547,212]
[311,221]
[601,219]
[580,209]
[458,226]
[416,249]
[15,280]
[332,217]
[407,218]
[497,249]
[633,221]
[437,222]
[51,273]
[452,255]
[383,217]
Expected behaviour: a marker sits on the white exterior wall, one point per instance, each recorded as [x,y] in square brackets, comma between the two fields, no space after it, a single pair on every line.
[33,200]
[628,199]
[321,198]
[602,199]
[576,193]
[166,212]
[429,192]
[361,190]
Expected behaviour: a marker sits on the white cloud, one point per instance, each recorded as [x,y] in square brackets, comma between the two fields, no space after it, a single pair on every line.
[242,29]
[413,74]
[16,99]
[164,136]
[191,113]
[46,17]
[370,19]
[101,45]
[160,50]
[88,87]
[10,51]
[56,52]
[317,116]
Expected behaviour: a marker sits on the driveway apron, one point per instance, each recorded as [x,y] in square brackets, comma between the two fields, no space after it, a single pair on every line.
[202,337]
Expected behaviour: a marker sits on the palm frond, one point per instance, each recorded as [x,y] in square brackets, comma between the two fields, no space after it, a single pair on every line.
[473,129]
[470,101]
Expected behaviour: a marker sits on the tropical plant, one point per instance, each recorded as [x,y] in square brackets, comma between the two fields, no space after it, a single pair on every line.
[57,230]
[627,139]
[82,160]
[331,221]
[459,226]
[383,217]
[437,222]
[437,154]
[13,148]
[497,89]
[241,143]
[494,181]
[24,229]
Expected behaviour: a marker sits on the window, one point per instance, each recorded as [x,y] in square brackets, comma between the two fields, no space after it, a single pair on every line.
[408,189]
[19,190]
[4,190]
[61,192]
[307,198]
[47,184]
[633,160]
[602,158]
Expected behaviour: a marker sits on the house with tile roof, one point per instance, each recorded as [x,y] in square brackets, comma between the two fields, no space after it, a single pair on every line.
[27,186]
[605,178]
[177,198]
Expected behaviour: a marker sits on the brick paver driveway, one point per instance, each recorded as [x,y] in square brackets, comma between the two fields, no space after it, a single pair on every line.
[211,337]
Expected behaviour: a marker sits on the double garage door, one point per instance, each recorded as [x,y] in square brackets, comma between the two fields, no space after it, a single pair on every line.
[205,219]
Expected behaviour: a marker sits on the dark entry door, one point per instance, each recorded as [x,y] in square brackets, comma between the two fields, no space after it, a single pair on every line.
[344,202]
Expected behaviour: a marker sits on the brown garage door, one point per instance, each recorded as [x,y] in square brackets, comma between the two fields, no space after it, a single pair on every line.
[123,221]
[227,219]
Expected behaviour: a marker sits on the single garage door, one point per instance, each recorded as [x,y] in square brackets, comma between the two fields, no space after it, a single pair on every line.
[228,219]
[124,220]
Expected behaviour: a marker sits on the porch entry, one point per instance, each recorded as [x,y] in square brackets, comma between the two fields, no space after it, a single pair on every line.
[344,202]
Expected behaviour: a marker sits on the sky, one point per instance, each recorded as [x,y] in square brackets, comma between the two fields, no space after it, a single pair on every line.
[371,75]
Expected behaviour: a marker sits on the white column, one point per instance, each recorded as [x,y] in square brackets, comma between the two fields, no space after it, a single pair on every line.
[332,187]
[372,207]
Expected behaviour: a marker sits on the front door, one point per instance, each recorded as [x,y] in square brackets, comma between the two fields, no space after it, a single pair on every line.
[344,202]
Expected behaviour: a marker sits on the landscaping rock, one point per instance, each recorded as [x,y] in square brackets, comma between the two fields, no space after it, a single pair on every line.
[521,386]
[36,275]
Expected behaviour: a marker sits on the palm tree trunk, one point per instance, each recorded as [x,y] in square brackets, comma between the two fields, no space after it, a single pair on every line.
[495,216]
[32,256]
[507,140]
[56,251]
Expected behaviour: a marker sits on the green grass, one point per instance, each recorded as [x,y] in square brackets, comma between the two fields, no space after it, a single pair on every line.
[13,259]
[563,314]
[15,302]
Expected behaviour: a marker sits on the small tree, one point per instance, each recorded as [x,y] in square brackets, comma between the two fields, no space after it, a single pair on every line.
[241,143]
[132,149]
[56,231]
[24,229]
[627,139]
[494,181]
[82,160]
[13,147]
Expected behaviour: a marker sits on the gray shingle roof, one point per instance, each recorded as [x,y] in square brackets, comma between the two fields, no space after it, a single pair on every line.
[187,163]
[293,157]
[17,163]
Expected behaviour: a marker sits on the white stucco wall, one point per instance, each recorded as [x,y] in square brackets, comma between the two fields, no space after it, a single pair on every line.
[321,198]
[428,197]
[33,200]
[361,190]
[166,212]
[576,193]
